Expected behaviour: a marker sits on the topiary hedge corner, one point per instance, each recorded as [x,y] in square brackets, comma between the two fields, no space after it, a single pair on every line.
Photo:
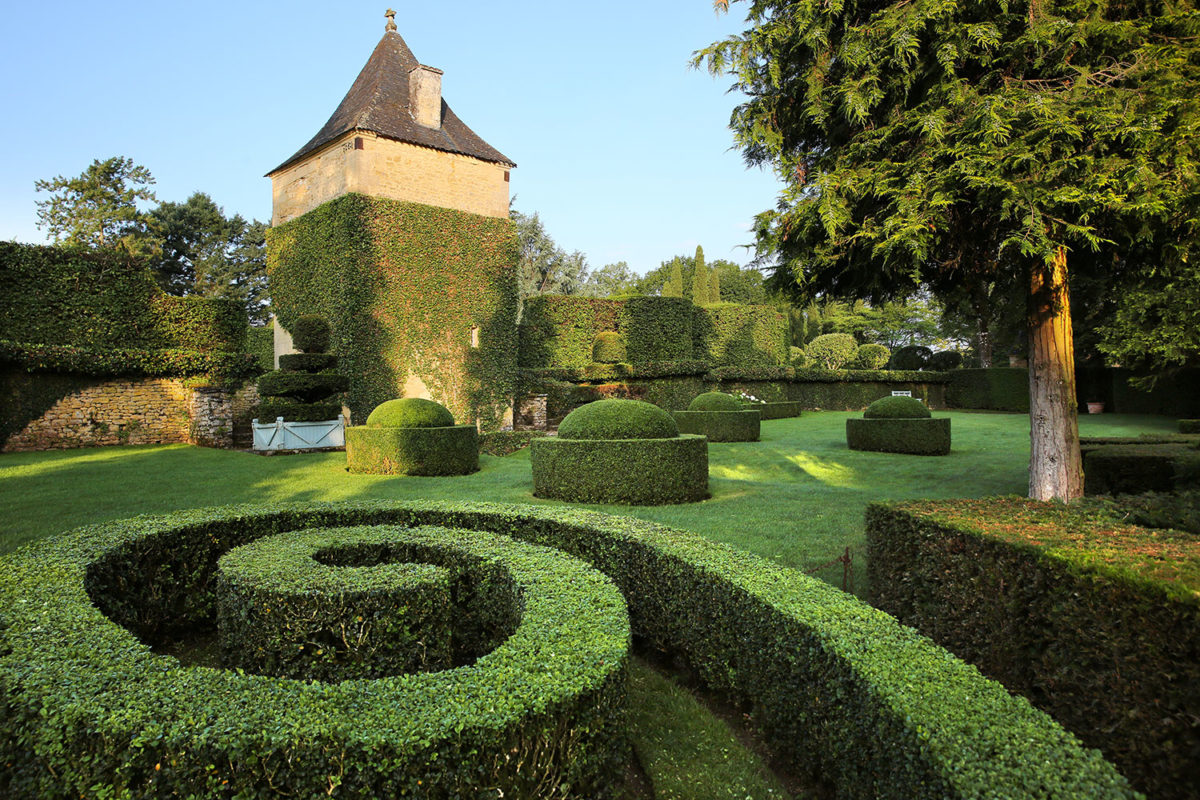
[620,451]
[412,436]
[777,409]
[899,425]
[1189,426]
[720,417]
[839,688]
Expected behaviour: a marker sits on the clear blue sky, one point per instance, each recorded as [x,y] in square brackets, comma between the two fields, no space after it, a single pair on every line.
[622,149]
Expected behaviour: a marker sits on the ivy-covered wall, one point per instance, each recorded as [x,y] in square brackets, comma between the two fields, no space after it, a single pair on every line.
[66,296]
[558,331]
[406,287]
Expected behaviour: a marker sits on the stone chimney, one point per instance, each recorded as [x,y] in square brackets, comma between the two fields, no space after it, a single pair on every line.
[425,96]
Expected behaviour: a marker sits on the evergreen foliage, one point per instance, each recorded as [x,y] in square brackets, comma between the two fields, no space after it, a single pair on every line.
[897,408]
[701,295]
[301,390]
[410,412]
[618,419]
[871,356]
[674,285]
[832,350]
[99,208]
[715,401]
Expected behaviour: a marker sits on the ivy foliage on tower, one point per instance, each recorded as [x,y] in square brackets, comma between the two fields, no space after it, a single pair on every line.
[1066,130]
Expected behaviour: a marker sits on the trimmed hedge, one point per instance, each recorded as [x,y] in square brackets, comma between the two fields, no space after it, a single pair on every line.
[296,605]
[896,407]
[406,288]
[945,360]
[311,334]
[102,300]
[1092,619]
[410,412]
[452,450]
[921,437]
[1189,426]
[260,341]
[656,329]
[307,362]
[832,350]
[714,401]
[873,356]
[838,687]
[505,443]
[90,710]
[1138,468]
[995,389]
[777,409]
[640,472]
[222,367]
[608,348]
[302,387]
[721,426]
[741,336]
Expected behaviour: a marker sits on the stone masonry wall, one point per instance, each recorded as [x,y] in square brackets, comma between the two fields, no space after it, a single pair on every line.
[134,411]
[382,167]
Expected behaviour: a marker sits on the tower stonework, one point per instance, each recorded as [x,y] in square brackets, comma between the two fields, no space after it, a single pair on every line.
[392,222]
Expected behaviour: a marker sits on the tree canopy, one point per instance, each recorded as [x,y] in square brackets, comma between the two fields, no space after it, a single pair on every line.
[99,208]
[956,142]
[542,266]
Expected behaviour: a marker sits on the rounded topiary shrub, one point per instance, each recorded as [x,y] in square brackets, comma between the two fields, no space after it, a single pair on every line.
[721,417]
[608,348]
[310,334]
[945,360]
[832,350]
[412,436]
[911,357]
[899,425]
[871,356]
[715,401]
[620,451]
[897,408]
[797,357]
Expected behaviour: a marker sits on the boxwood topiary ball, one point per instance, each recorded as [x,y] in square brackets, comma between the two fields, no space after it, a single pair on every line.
[311,334]
[897,408]
[618,419]
[715,401]
[410,412]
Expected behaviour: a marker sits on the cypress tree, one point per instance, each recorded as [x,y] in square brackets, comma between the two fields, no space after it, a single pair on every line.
[700,290]
[674,285]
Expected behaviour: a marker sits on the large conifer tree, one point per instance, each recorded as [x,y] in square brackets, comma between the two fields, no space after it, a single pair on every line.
[910,131]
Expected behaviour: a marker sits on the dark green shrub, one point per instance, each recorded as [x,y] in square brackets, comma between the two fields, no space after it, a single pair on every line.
[410,412]
[871,356]
[910,357]
[293,411]
[777,409]
[222,367]
[921,437]
[302,386]
[945,360]
[994,389]
[832,350]
[715,401]
[608,348]
[505,443]
[744,337]
[897,407]
[1133,469]
[618,419]
[1177,510]
[300,605]
[628,471]
[1189,426]
[543,712]
[260,341]
[310,334]
[452,450]
[1092,619]
[307,362]
[656,329]
[741,425]
[838,687]
[797,358]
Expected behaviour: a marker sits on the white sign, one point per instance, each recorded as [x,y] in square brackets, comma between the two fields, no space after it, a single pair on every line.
[901,394]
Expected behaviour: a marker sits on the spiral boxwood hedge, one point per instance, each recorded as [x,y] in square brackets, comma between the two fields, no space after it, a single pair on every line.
[879,711]
[339,604]
[742,425]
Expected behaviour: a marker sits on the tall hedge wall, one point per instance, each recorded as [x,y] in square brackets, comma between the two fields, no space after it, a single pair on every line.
[66,296]
[995,389]
[741,335]
[403,285]
[558,331]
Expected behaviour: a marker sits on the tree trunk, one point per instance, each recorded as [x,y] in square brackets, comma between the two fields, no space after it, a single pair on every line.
[983,314]
[1055,467]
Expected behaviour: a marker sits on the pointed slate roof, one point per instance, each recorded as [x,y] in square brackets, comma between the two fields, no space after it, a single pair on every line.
[379,102]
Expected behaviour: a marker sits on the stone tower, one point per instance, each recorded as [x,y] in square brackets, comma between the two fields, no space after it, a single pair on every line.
[394,136]
[392,221]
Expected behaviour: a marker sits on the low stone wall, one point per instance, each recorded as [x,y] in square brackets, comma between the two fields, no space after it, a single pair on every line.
[125,411]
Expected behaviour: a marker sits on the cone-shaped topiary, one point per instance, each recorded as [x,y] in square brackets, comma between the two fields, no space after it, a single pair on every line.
[410,412]
[715,401]
[897,408]
[412,436]
[618,419]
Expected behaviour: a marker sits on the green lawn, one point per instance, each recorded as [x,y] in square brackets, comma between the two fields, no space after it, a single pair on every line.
[796,497]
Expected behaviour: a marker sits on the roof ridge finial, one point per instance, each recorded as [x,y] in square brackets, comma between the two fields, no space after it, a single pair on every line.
[391,18]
